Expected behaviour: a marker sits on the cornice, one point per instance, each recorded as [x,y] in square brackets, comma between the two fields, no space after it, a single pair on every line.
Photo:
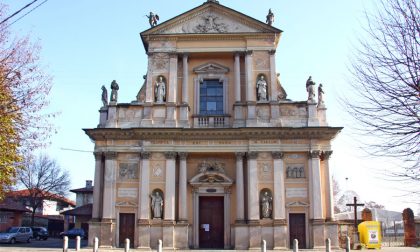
[320,133]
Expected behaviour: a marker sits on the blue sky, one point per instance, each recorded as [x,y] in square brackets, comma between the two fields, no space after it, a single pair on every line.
[87,44]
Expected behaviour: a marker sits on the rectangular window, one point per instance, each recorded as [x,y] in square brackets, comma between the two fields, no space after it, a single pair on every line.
[211,97]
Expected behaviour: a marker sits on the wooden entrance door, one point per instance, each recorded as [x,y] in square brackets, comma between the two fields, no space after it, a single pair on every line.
[211,225]
[297,229]
[127,222]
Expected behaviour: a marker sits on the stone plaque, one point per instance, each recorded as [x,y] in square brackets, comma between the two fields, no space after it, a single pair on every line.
[127,192]
[296,193]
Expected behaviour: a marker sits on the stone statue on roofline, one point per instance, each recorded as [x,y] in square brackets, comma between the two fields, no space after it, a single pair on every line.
[270,17]
[114,91]
[320,96]
[310,88]
[153,18]
[104,96]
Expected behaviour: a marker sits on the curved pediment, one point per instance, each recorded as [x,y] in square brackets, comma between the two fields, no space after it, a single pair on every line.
[211,67]
[211,173]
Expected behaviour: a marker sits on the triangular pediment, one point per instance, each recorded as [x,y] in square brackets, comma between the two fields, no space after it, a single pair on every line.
[297,204]
[211,18]
[211,67]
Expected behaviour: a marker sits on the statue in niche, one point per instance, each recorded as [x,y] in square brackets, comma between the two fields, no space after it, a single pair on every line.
[266,205]
[261,89]
[153,18]
[157,205]
[310,88]
[320,95]
[104,96]
[270,17]
[114,91]
[160,90]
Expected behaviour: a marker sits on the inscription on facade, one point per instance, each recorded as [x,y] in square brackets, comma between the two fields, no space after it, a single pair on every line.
[127,192]
[296,193]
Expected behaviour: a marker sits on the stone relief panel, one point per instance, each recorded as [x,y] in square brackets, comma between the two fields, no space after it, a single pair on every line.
[158,170]
[209,22]
[261,61]
[265,171]
[128,171]
[294,171]
[160,63]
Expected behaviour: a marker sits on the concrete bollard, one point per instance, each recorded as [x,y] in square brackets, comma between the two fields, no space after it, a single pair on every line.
[160,246]
[77,243]
[328,245]
[65,244]
[347,244]
[295,245]
[127,245]
[95,244]
[263,246]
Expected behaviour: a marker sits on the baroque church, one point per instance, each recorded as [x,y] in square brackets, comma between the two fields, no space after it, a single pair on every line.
[212,153]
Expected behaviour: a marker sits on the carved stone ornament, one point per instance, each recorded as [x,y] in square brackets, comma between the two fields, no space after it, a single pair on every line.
[277,154]
[182,155]
[252,155]
[145,155]
[315,154]
[98,156]
[239,155]
[128,171]
[211,166]
[295,171]
[211,24]
[170,155]
[110,155]
[326,154]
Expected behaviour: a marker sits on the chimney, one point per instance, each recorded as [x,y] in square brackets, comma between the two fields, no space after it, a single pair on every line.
[88,183]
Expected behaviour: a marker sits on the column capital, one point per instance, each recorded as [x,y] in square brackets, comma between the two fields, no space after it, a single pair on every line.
[239,155]
[326,154]
[145,154]
[277,154]
[249,52]
[272,52]
[109,155]
[314,154]
[170,155]
[182,155]
[173,54]
[98,155]
[185,55]
[252,155]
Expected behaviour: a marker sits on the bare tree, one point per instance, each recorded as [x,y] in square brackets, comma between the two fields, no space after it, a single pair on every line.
[24,89]
[345,198]
[44,179]
[386,71]
[372,204]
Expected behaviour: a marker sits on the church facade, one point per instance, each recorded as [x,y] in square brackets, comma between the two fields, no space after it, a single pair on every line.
[212,154]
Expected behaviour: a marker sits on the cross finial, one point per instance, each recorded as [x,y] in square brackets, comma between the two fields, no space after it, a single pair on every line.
[213,1]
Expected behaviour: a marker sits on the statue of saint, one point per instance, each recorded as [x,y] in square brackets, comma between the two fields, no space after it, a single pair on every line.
[104,96]
[266,207]
[262,89]
[310,88]
[157,204]
[114,91]
[153,18]
[320,95]
[160,90]
[270,17]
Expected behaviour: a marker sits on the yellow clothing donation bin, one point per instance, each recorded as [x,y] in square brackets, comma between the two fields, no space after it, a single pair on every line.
[370,234]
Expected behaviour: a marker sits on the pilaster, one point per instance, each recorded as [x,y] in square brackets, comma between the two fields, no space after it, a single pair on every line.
[316,184]
[240,199]
[273,76]
[253,201]
[109,190]
[183,210]
[328,186]
[97,189]
[169,202]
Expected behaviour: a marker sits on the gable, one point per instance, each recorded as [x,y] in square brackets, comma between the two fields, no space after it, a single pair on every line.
[211,18]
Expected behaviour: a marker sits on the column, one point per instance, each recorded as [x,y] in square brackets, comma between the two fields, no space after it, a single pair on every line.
[144,185]
[185,78]
[98,184]
[173,78]
[169,201]
[149,80]
[253,202]
[109,182]
[237,73]
[328,185]
[316,184]
[251,93]
[240,200]
[273,76]
[183,210]
[279,212]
